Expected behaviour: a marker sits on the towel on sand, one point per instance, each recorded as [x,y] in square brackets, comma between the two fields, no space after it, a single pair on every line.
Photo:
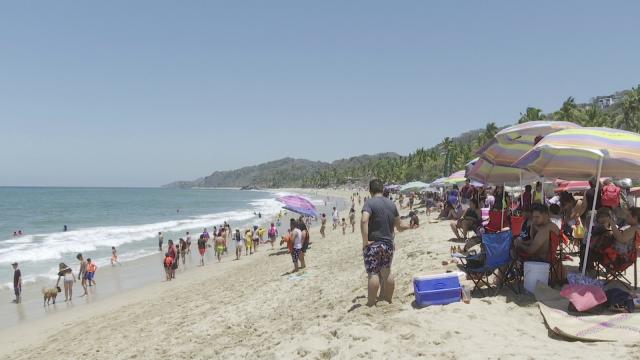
[616,327]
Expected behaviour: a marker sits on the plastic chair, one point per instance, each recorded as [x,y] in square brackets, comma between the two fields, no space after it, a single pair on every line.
[498,220]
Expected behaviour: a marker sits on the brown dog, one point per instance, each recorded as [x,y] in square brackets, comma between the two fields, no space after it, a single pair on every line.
[50,294]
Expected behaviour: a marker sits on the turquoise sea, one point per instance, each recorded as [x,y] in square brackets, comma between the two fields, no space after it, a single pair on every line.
[99,218]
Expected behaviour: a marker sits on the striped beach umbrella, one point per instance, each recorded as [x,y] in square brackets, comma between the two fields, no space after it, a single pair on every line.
[530,132]
[457,177]
[298,204]
[501,153]
[577,154]
[488,173]
[414,185]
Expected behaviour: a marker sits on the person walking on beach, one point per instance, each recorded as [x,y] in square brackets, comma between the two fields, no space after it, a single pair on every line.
[238,242]
[256,238]
[167,262]
[296,239]
[335,219]
[202,248]
[323,224]
[17,283]
[379,218]
[219,246]
[273,235]
[114,257]
[183,250]
[248,243]
[352,219]
[188,240]
[91,272]
[66,273]
[160,241]
[82,273]
[343,225]
[305,241]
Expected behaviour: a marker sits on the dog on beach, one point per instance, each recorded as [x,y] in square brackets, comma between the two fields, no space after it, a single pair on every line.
[50,295]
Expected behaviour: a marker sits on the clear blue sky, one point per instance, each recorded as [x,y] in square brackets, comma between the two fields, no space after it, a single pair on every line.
[140,93]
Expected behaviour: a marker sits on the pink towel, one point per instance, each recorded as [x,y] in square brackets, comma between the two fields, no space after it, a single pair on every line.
[584,297]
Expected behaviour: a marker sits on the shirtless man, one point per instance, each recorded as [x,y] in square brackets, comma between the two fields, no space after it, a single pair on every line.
[82,273]
[219,246]
[537,249]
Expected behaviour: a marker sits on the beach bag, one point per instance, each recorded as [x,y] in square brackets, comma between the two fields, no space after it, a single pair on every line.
[611,196]
[620,300]
[579,231]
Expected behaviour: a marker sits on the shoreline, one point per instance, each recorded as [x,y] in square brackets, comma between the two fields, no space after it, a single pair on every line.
[111,280]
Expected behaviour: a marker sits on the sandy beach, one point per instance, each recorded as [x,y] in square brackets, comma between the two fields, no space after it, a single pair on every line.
[251,309]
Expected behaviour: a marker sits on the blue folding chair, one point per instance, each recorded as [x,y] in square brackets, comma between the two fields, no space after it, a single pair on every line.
[495,256]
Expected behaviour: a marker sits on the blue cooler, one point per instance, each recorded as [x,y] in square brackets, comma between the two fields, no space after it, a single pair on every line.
[440,289]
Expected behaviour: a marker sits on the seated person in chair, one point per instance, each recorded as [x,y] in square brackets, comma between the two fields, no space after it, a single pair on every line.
[542,231]
[618,248]
[469,221]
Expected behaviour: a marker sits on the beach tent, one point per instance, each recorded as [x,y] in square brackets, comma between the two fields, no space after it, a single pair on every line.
[578,154]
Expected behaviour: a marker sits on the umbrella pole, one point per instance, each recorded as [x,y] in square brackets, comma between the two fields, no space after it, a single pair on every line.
[593,215]
[503,207]
[521,190]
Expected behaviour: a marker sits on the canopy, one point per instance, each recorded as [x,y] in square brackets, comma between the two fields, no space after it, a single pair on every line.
[488,173]
[414,185]
[584,152]
[439,182]
[527,133]
[298,204]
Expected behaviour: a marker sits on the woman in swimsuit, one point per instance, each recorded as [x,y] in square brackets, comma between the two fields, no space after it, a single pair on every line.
[67,274]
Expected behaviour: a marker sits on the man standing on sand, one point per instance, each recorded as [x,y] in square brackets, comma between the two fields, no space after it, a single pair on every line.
[296,239]
[82,273]
[379,217]
[336,218]
[160,241]
[17,283]
[188,240]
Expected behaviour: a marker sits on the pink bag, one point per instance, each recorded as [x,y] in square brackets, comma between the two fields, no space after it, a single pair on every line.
[584,297]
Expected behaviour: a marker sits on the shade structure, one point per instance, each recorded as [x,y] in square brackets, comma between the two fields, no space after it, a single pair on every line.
[488,173]
[414,185]
[527,133]
[502,154]
[298,204]
[440,182]
[574,154]
[581,153]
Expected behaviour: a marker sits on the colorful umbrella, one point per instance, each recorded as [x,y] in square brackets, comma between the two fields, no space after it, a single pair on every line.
[298,204]
[488,173]
[415,185]
[527,133]
[502,154]
[575,154]
[457,177]
[585,152]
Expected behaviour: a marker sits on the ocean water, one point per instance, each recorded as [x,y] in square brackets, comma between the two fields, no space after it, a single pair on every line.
[99,218]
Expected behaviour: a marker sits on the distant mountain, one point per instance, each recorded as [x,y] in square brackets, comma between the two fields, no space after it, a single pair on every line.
[287,172]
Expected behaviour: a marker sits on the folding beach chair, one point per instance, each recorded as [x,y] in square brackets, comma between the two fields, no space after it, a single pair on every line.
[613,266]
[495,256]
[497,221]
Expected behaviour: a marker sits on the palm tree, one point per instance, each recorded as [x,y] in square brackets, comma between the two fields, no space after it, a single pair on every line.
[629,119]
[447,145]
[490,130]
[531,114]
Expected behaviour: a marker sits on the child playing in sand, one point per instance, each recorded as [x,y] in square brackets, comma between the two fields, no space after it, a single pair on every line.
[343,224]
[168,266]
[91,272]
[114,257]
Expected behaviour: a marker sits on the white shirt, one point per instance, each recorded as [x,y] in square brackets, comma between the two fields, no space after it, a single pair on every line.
[297,239]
